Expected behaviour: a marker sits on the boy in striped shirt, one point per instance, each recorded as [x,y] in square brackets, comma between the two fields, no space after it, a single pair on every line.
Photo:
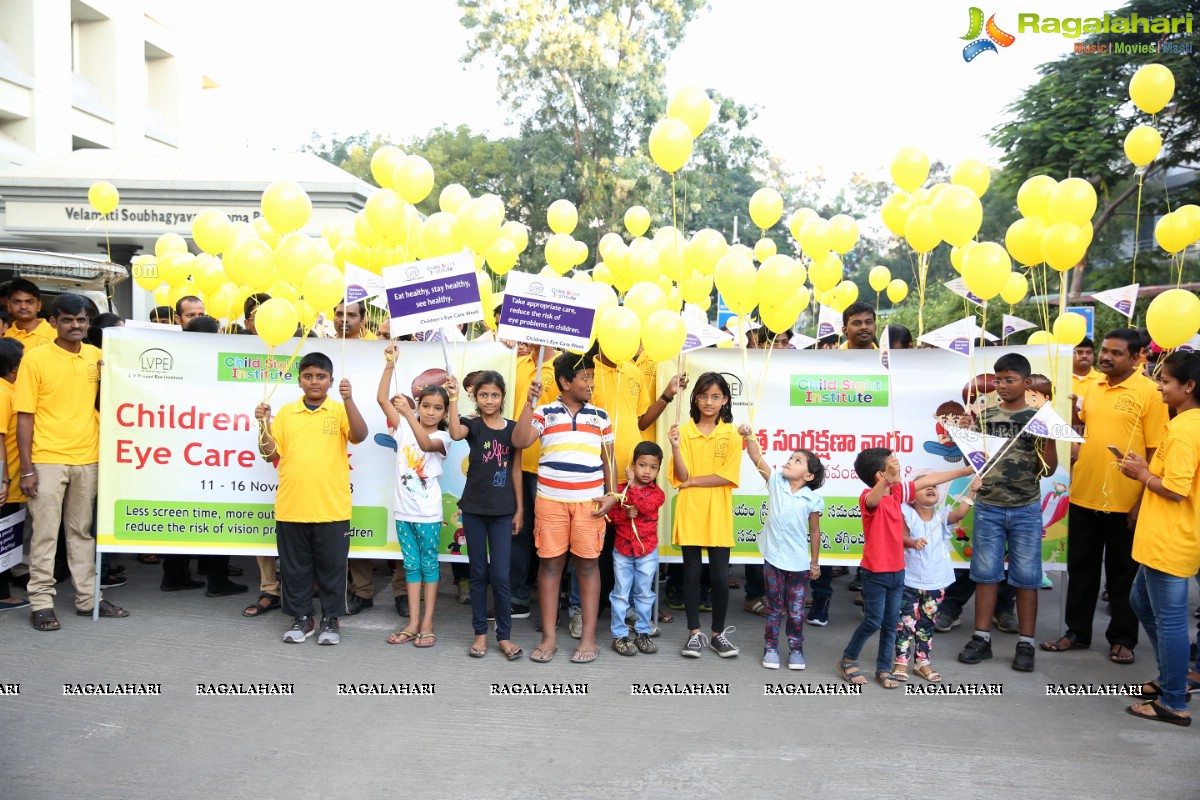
[573,496]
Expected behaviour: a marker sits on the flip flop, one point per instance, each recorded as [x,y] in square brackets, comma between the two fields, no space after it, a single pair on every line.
[426,640]
[1119,659]
[258,609]
[402,637]
[1072,640]
[583,656]
[475,652]
[1161,714]
[542,656]
[514,654]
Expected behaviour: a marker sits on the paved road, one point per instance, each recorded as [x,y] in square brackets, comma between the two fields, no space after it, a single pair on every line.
[463,741]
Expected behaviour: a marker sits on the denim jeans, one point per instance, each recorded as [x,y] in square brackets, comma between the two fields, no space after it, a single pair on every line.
[489,545]
[636,574]
[882,592]
[1161,603]
[1017,530]
[822,588]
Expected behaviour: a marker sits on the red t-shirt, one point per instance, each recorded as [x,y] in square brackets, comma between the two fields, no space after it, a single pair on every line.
[883,529]
[647,500]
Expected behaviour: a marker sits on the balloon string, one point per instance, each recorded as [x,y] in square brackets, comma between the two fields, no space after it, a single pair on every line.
[762,380]
[287,368]
[1137,225]
[682,371]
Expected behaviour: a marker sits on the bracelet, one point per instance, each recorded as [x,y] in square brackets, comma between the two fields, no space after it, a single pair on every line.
[1149,477]
[966,500]
[453,398]
[666,400]
[29,475]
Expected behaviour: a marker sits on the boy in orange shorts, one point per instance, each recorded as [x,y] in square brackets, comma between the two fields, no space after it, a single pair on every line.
[573,496]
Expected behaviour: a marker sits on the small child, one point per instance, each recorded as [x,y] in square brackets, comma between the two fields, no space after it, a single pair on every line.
[312,504]
[635,552]
[883,557]
[792,531]
[421,447]
[927,572]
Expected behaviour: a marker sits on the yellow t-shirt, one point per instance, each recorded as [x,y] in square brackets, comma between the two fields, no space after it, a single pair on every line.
[314,469]
[649,370]
[59,388]
[1080,386]
[846,346]
[526,365]
[42,334]
[1129,416]
[704,515]
[1168,533]
[618,390]
[367,334]
[8,420]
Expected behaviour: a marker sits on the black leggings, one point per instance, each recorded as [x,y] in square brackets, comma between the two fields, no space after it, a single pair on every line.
[718,565]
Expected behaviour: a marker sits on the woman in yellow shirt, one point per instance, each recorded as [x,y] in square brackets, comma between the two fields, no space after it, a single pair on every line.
[706,462]
[1167,540]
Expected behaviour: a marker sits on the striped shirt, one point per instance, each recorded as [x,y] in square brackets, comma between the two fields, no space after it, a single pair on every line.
[571,468]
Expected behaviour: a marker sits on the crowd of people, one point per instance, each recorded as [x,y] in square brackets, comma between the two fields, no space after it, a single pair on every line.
[562,485]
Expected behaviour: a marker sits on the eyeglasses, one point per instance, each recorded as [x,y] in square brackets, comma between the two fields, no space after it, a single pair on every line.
[1008,381]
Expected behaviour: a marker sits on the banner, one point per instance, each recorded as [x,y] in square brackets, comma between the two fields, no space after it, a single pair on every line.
[12,539]
[180,470]
[430,294]
[836,404]
[545,310]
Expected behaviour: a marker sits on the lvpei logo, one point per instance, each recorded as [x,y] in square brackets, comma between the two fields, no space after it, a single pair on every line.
[984,44]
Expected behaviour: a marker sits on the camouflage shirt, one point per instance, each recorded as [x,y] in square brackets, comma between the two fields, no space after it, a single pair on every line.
[1014,480]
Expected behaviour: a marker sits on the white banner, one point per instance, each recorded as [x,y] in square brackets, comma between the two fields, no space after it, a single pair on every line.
[432,293]
[546,310]
[12,539]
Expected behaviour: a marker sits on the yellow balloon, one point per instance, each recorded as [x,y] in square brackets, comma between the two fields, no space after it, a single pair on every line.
[501,256]
[1033,198]
[489,301]
[581,253]
[879,278]
[1073,200]
[161,295]
[175,267]
[847,291]
[1173,318]
[619,332]
[295,255]
[1070,328]
[910,168]
[169,243]
[764,249]
[816,238]
[644,299]
[797,219]
[250,261]
[383,164]
[766,207]
[802,298]
[663,335]
[691,106]
[306,313]
[350,251]
[986,269]
[1015,290]
[452,198]
[323,287]
[413,178]
[897,290]
[778,277]
[212,231]
[103,197]
[516,233]
[697,288]
[1151,88]
[920,231]
[144,270]
[606,298]
[602,274]
[844,231]
[644,266]
[364,232]
[705,249]
[479,224]
[670,145]
[284,291]
[1142,145]
[896,209]
[439,235]
[973,174]
[562,216]
[957,215]
[825,272]
[1024,240]
[637,220]
[782,316]
[618,262]
[208,274]
[286,206]
[275,321]
[385,212]
[177,293]
[1040,337]
[1064,244]
[560,253]
[1173,232]
[672,258]
[734,277]
[1191,215]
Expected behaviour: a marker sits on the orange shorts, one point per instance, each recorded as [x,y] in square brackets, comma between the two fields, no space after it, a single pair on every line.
[559,526]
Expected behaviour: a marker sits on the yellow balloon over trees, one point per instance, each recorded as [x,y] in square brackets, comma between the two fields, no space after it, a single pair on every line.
[1151,88]
[764,249]
[986,269]
[1040,337]
[957,254]
[879,278]
[516,233]
[286,206]
[383,164]
[895,211]
[734,276]
[1015,290]
[1033,198]
[275,321]
[637,220]
[212,231]
[581,253]
[1070,328]
[644,266]
[1173,232]
[920,230]
[562,216]
[413,179]
[619,332]
[825,272]
[501,256]
[1024,240]
[323,287]
[439,236]
[844,295]
[1073,200]
[1064,244]
[103,197]
[766,207]
[670,145]
[816,238]
[844,231]
[691,106]
[385,212]
[778,277]
[479,224]
[781,316]
[910,168]
[797,219]
[1142,145]
[1173,318]
[705,249]
[169,243]
[957,215]
[644,299]
[973,174]
[452,197]
[897,290]
[663,335]
[560,253]
[295,255]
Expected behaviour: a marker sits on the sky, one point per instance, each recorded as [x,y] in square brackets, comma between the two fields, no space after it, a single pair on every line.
[839,86]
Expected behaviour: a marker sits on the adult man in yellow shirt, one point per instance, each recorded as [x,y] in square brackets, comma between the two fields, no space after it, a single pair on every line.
[858,326]
[1122,409]
[348,321]
[58,444]
[1083,376]
[24,305]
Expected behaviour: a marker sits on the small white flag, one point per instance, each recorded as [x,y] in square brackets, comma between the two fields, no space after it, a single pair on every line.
[977,448]
[959,287]
[1191,345]
[957,337]
[1123,298]
[1047,424]
[885,349]
[829,322]
[802,342]
[362,284]
[1015,325]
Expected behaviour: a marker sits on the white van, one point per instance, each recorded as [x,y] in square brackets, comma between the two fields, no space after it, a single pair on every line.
[55,274]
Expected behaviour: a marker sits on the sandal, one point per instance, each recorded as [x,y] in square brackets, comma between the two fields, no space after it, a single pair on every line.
[900,672]
[476,652]
[665,617]
[583,656]
[1114,654]
[756,606]
[44,620]
[402,637]
[258,609]
[1071,640]
[926,671]
[148,558]
[513,654]
[850,673]
[1151,690]
[1160,713]
[887,680]
[107,610]
[425,640]
[541,655]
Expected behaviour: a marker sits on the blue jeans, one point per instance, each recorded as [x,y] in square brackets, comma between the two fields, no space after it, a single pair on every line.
[882,592]
[489,544]
[636,574]
[1019,530]
[1161,604]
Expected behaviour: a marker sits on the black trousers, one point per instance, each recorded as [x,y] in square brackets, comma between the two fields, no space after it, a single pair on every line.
[1095,539]
[177,569]
[311,551]
[521,558]
[718,567]
[959,593]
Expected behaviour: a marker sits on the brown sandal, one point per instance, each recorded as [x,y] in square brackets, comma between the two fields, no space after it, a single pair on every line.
[44,620]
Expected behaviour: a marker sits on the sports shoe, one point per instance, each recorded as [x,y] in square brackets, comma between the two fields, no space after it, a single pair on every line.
[1046,582]
[656,631]
[1007,622]
[976,650]
[112,580]
[770,658]
[705,603]
[856,583]
[694,645]
[1023,660]
[819,613]
[223,587]
[644,643]
[302,628]
[357,605]
[464,591]
[796,660]
[943,622]
[576,624]
[674,599]
[329,631]
[402,606]
[721,645]
[624,646]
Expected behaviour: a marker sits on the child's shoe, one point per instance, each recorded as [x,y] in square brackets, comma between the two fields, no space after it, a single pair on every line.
[644,643]
[771,658]
[624,646]
[796,660]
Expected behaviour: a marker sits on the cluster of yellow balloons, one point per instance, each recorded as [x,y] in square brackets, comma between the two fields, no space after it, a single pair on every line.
[945,212]
[1055,227]
[671,139]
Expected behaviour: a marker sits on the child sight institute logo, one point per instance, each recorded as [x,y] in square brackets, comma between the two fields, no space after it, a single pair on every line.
[979,44]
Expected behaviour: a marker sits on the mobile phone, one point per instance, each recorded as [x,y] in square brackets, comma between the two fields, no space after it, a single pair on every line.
[1116,453]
